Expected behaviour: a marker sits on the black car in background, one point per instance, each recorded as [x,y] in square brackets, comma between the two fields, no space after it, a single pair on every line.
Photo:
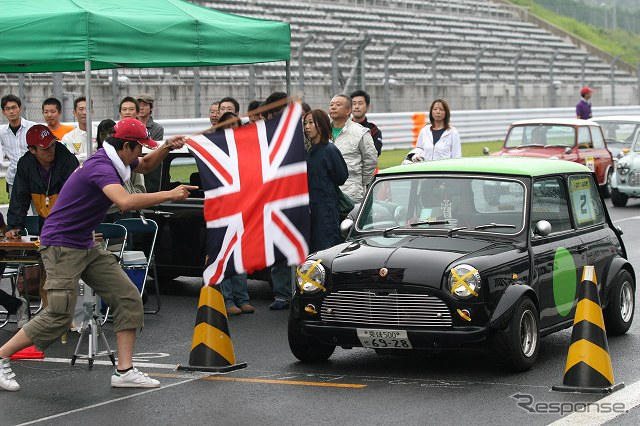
[180,245]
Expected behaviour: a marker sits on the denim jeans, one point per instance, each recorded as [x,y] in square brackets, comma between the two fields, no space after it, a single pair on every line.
[234,290]
[281,279]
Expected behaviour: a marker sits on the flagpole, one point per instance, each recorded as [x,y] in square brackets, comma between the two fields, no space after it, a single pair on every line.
[258,110]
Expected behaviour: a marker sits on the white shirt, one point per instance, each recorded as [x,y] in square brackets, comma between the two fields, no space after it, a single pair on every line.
[14,146]
[448,146]
[76,142]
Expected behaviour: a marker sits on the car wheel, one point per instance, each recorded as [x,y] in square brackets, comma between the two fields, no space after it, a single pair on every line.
[618,198]
[618,314]
[518,345]
[605,190]
[307,348]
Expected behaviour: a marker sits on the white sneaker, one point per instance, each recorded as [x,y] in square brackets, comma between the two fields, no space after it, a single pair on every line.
[133,379]
[7,381]
[22,313]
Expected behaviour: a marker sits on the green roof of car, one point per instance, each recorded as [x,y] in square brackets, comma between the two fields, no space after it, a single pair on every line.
[522,166]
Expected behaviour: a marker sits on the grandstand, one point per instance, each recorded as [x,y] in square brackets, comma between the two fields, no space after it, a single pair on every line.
[469,51]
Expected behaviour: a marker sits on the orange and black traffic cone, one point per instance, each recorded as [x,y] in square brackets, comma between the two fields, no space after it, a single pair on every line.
[211,348]
[588,368]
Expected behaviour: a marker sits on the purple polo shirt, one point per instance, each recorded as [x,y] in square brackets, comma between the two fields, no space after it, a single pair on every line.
[81,205]
[583,109]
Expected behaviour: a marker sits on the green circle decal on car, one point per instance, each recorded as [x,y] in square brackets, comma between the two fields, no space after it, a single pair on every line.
[564,281]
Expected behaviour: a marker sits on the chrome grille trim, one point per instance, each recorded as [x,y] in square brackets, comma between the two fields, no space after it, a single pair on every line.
[392,310]
[634,179]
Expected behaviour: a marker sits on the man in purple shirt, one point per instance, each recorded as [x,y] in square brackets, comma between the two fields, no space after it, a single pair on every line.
[583,108]
[69,252]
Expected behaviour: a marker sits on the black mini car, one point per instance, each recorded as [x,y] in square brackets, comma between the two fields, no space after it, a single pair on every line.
[453,253]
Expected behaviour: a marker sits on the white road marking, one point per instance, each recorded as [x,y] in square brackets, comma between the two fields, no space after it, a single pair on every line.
[626,219]
[89,407]
[629,396]
[104,362]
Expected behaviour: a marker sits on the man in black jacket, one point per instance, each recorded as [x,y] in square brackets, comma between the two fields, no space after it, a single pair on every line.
[40,174]
[360,101]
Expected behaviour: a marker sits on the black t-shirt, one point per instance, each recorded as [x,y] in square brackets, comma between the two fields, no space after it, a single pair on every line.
[437,134]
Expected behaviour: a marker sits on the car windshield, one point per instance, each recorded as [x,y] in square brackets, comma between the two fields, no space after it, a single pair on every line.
[619,132]
[540,135]
[477,203]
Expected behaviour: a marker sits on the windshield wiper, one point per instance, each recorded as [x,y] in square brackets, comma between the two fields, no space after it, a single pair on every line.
[494,225]
[557,145]
[424,222]
[452,230]
[527,145]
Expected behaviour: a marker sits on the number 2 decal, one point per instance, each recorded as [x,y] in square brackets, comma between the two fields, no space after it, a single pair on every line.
[583,204]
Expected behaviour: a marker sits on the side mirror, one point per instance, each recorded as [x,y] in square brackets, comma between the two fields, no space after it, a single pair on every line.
[485,150]
[567,150]
[345,227]
[620,232]
[543,228]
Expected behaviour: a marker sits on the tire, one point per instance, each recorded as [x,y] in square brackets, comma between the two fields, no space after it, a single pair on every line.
[517,346]
[605,190]
[618,198]
[307,348]
[618,315]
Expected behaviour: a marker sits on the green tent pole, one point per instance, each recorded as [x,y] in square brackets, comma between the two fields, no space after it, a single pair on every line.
[288,70]
[87,94]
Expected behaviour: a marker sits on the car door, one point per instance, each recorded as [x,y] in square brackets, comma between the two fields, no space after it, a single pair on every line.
[558,256]
[180,245]
[598,240]
[601,155]
[586,154]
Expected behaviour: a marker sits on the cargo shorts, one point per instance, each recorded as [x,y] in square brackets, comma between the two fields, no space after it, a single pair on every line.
[100,270]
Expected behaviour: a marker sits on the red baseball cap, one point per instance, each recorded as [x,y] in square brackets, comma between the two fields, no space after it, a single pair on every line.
[40,135]
[585,90]
[131,129]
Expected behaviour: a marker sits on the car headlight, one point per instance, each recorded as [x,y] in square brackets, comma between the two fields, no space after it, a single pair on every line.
[310,276]
[623,168]
[464,281]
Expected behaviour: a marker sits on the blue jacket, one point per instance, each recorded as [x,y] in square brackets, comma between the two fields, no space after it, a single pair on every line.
[326,169]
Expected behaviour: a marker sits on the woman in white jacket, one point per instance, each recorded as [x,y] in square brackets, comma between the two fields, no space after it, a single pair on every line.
[439,140]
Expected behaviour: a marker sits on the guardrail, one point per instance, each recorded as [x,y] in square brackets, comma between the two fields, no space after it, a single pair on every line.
[400,129]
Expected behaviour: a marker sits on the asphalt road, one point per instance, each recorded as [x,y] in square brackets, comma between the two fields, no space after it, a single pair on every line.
[355,387]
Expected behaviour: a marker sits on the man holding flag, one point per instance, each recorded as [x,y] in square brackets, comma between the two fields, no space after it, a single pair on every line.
[69,251]
[256,198]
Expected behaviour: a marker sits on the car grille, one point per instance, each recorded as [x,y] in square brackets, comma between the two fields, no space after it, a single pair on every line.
[634,179]
[398,310]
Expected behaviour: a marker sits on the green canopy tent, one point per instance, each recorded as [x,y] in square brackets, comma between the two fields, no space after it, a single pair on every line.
[77,35]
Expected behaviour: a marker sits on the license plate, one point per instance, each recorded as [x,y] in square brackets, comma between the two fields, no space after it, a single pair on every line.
[383,339]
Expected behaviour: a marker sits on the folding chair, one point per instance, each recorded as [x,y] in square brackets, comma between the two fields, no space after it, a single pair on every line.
[13,271]
[138,256]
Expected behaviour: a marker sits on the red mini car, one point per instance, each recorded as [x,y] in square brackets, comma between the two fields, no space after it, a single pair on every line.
[580,141]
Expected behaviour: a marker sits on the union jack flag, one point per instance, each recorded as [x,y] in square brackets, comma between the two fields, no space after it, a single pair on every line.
[256,205]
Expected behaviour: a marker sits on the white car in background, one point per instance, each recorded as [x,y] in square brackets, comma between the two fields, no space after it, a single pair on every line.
[622,134]
[619,132]
[625,181]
